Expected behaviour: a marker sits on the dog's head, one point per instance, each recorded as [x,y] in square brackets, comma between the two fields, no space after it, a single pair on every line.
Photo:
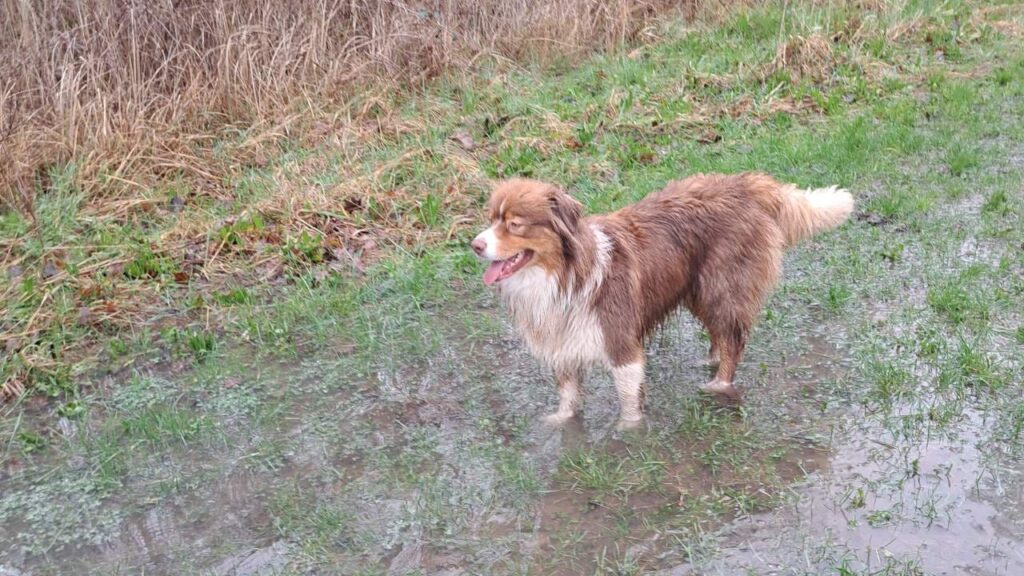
[532,224]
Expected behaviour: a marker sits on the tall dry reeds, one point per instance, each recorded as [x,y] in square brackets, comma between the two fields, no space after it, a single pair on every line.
[134,90]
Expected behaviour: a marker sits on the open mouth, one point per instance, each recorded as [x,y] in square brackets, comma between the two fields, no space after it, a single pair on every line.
[501,269]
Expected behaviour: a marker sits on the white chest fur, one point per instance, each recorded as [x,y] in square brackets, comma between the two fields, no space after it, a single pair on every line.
[561,329]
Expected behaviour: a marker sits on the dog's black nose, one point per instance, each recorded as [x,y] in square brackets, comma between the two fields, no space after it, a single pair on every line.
[478,246]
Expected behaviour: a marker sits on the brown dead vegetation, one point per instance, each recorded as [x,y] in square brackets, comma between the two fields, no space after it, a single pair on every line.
[135,92]
[163,107]
[158,106]
[803,58]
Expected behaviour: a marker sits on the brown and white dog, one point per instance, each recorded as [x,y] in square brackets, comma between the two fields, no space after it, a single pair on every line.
[585,291]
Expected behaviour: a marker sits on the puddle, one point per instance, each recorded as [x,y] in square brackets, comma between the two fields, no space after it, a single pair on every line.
[227,515]
[581,531]
[949,513]
[932,508]
[444,468]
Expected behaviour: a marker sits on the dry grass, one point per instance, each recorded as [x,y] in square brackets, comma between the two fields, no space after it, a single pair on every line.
[130,106]
[135,92]
[147,100]
[803,58]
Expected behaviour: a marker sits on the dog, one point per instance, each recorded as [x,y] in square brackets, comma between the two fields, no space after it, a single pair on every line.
[585,291]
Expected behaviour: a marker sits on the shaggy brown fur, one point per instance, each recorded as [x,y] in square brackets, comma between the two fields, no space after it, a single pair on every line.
[711,243]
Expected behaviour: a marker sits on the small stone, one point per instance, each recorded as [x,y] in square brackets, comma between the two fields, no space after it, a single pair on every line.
[84,316]
[464,140]
[175,204]
[709,136]
[49,270]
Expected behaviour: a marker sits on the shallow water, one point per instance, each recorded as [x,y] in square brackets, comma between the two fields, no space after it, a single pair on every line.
[932,508]
[401,471]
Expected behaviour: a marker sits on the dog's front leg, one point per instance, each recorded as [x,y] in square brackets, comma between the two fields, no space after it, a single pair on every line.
[570,395]
[629,383]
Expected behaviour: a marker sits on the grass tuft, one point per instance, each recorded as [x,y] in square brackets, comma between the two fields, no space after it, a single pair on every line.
[961,158]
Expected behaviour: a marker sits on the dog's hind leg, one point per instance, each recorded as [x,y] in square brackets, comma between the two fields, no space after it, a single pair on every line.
[730,305]
[714,354]
[731,350]
[714,335]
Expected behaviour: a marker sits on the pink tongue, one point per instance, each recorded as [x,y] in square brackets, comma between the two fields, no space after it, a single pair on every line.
[493,271]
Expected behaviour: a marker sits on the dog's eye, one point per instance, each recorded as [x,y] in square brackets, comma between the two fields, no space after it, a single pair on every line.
[515,227]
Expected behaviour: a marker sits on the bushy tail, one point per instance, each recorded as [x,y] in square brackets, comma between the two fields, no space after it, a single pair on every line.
[804,212]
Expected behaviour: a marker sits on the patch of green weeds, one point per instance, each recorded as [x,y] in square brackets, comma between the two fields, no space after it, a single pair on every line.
[837,296]
[892,252]
[595,469]
[880,518]
[890,382]
[1003,76]
[930,342]
[513,160]
[950,299]
[630,154]
[728,451]
[962,158]
[57,208]
[148,264]
[973,368]
[430,211]
[233,233]
[199,344]
[106,451]
[267,455]
[960,299]
[304,249]
[1013,424]
[997,203]
[518,474]
[303,515]
[54,382]
[166,425]
[858,499]
[31,441]
[901,203]
[239,296]
[117,348]
[72,409]
[701,418]
[959,104]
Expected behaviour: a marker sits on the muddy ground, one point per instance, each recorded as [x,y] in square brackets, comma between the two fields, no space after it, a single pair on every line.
[881,432]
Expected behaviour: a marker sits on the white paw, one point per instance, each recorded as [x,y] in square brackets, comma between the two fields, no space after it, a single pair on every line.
[721,387]
[558,418]
[629,423]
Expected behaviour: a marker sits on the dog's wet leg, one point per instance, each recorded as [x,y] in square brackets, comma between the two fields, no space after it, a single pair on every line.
[714,354]
[731,350]
[570,395]
[629,383]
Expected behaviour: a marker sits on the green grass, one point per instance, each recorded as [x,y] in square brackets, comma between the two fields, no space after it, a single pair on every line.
[599,471]
[960,159]
[367,402]
[958,300]
[164,425]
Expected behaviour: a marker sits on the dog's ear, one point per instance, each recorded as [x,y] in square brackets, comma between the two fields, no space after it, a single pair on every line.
[566,212]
